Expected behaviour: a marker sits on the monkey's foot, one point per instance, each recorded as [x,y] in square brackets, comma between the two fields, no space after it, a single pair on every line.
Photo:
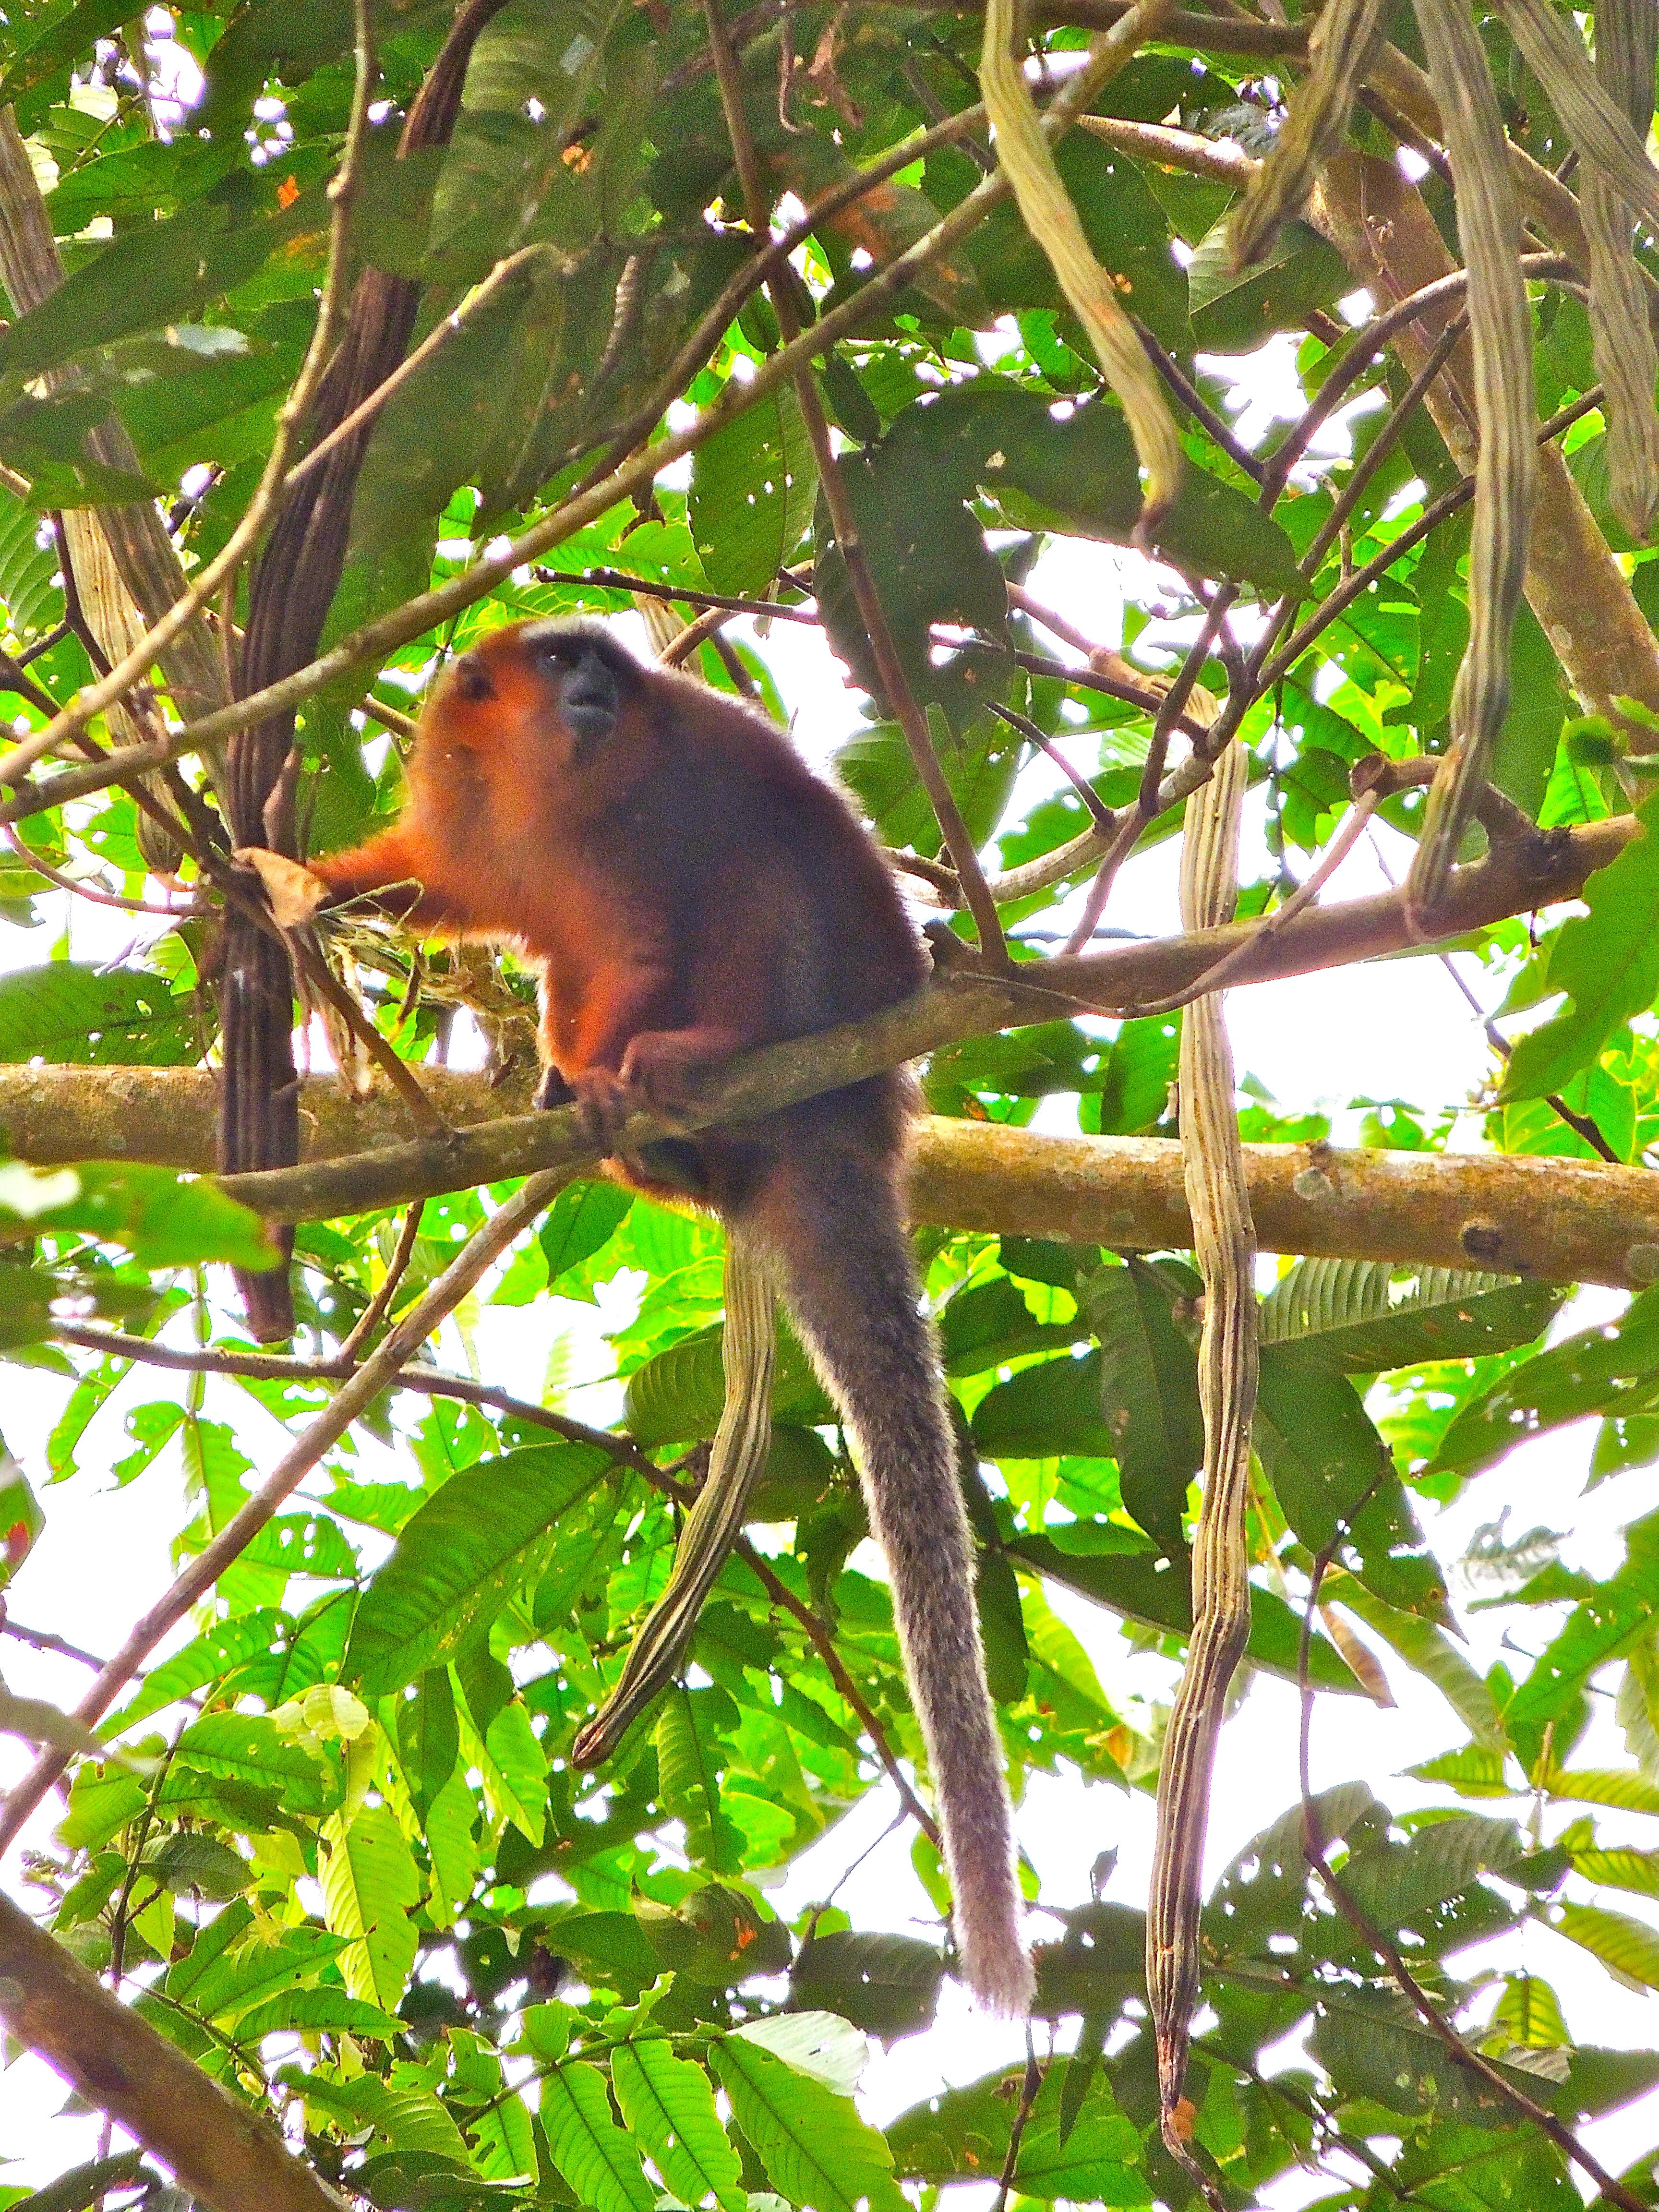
[605,1100]
[661,1067]
[553,1090]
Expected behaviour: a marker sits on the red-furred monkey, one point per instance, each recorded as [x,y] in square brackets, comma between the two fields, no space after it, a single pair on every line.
[689,887]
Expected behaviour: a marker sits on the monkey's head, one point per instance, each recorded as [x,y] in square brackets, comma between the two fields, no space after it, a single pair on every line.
[558,709]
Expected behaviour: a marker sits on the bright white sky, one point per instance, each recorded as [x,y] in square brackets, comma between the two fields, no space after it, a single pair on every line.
[1399,1030]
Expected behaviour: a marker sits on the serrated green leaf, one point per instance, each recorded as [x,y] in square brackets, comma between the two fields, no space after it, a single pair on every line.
[1596,1371]
[69,1015]
[247,1747]
[1630,1947]
[1366,1316]
[312,2012]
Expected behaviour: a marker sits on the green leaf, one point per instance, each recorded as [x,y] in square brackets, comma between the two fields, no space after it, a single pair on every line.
[27,569]
[68,1015]
[1598,1371]
[161,272]
[1148,1396]
[1630,1947]
[312,2012]
[1330,1470]
[753,487]
[1621,1611]
[206,1658]
[164,1219]
[485,1533]
[429,1739]
[677,1396]
[964,2135]
[669,2106]
[247,1747]
[369,1882]
[582,1220]
[1607,961]
[888,1985]
[403,2108]
[591,2151]
[817,2150]
[83,2186]
[1365,1317]
[1232,312]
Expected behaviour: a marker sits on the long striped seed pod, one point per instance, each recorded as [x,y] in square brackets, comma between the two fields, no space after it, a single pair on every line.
[1505,472]
[1598,125]
[1048,213]
[715,1523]
[1626,360]
[1224,1241]
[1339,51]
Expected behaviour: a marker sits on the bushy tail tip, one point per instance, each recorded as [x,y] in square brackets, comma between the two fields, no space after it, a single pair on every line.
[998,1970]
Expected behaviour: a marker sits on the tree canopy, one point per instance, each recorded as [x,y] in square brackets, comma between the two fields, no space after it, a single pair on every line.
[341,333]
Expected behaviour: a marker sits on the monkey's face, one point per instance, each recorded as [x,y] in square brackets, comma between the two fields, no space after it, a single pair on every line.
[551,711]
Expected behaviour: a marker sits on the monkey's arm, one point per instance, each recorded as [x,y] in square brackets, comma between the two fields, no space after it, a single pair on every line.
[394,871]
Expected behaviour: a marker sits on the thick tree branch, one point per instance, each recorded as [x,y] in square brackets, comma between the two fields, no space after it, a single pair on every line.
[1559,1219]
[224,2153]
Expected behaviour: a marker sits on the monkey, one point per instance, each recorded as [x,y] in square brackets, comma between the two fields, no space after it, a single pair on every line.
[688,887]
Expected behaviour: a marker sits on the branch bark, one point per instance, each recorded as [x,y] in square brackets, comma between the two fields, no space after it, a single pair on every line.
[225,2154]
[1557,1219]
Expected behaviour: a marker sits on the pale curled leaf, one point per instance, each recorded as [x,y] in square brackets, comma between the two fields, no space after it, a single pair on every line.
[293,893]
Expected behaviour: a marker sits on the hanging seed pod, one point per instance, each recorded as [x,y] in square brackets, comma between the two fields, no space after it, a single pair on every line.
[1598,126]
[1047,211]
[1489,229]
[1339,52]
[1626,360]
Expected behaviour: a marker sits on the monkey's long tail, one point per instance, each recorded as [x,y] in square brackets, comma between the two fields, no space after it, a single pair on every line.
[836,1222]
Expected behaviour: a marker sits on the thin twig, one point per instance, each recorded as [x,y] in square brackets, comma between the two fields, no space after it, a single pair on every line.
[1103,815]
[372,1315]
[895,683]
[1200,408]
[617,580]
[1584,1126]
[1343,840]
[41,1639]
[1029,2090]
[85,890]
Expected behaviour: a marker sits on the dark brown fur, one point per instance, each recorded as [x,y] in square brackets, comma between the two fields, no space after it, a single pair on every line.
[690,888]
